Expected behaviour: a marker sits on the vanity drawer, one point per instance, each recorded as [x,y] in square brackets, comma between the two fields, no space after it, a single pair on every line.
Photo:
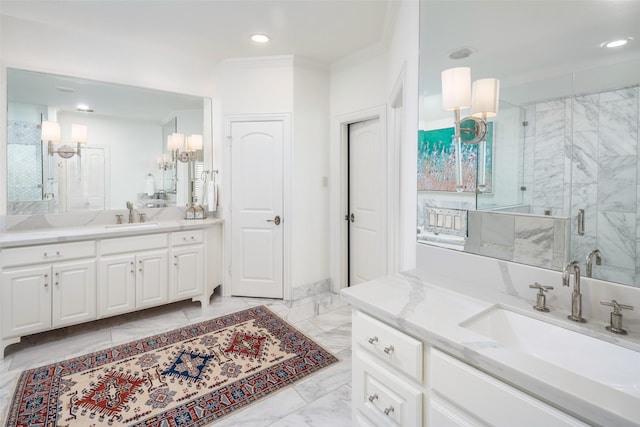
[382,397]
[187,237]
[133,244]
[400,350]
[488,398]
[47,253]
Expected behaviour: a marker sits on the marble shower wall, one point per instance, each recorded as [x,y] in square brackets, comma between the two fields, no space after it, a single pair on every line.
[585,152]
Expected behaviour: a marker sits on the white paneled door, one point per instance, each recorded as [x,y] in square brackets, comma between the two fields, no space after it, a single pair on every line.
[367,190]
[257,208]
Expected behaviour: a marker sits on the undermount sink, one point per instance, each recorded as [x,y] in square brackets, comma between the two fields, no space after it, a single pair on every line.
[587,356]
[132,226]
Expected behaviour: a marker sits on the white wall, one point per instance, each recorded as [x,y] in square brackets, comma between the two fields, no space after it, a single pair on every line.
[359,85]
[256,85]
[310,186]
[404,57]
[39,47]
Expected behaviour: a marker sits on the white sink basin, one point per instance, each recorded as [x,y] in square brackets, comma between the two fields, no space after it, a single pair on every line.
[132,226]
[590,357]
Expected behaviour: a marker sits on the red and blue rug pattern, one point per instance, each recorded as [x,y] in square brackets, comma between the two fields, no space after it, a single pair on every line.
[190,376]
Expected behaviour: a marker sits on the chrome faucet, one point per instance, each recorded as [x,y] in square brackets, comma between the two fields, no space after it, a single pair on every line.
[593,254]
[130,207]
[576,296]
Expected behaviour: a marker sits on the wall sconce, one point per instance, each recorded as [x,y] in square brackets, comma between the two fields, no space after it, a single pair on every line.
[176,143]
[50,132]
[457,95]
[164,163]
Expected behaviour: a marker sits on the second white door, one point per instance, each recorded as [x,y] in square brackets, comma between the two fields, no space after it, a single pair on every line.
[256,208]
[367,195]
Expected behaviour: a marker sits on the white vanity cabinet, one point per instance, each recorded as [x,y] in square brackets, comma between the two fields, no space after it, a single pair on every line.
[133,273]
[186,278]
[47,286]
[387,374]
[399,380]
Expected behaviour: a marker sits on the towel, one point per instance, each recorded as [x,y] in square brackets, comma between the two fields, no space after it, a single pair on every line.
[212,196]
[149,186]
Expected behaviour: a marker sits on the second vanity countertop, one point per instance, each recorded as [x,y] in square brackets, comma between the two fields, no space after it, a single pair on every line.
[432,308]
[91,232]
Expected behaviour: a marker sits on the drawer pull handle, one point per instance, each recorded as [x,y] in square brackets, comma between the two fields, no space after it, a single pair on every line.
[175,261]
[57,279]
[132,268]
[389,410]
[372,340]
[140,266]
[372,397]
[46,280]
[389,349]
[46,254]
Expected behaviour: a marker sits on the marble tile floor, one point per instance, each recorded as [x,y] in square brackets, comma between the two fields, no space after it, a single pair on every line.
[322,399]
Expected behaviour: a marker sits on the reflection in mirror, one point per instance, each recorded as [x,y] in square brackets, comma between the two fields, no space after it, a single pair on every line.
[565,140]
[120,154]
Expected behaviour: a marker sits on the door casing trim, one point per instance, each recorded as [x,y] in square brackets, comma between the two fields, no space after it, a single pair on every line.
[339,178]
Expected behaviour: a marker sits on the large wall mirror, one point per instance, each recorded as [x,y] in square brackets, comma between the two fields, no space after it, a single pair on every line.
[109,145]
[557,176]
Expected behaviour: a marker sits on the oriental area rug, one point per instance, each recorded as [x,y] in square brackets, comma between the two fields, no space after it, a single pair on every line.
[190,376]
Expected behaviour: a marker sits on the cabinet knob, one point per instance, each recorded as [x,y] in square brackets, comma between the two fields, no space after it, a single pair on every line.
[389,410]
[373,340]
[372,397]
[389,349]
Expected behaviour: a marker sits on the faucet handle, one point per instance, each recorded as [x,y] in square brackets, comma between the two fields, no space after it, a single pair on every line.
[542,288]
[615,325]
[541,298]
[616,307]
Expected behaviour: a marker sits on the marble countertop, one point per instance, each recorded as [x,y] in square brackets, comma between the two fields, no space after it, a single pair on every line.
[432,308]
[9,239]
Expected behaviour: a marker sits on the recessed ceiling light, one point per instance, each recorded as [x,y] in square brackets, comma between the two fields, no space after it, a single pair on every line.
[65,89]
[260,38]
[84,107]
[461,53]
[616,43]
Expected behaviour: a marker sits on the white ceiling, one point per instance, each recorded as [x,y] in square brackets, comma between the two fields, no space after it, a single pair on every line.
[324,31]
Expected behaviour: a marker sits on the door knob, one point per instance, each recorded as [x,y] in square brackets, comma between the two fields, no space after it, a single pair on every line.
[276,220]
[353,218]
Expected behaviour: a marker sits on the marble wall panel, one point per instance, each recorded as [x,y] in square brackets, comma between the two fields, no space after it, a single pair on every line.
[617,187]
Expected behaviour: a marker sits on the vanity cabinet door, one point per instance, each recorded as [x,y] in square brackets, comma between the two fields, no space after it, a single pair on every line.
[26,300]
[186,272]
[151,278]
[74,292]
[117,290]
